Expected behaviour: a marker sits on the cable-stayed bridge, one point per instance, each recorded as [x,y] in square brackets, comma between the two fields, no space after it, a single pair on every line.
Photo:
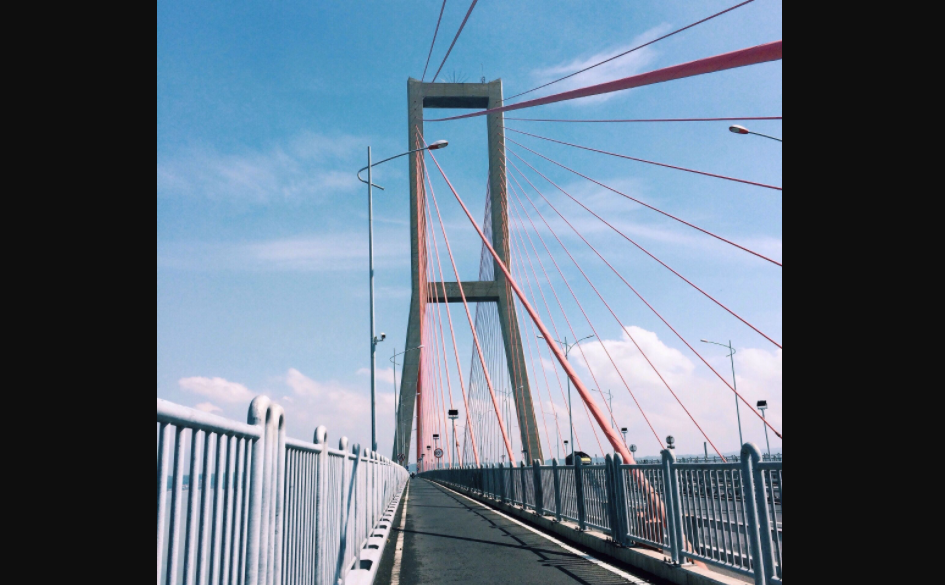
[494,501]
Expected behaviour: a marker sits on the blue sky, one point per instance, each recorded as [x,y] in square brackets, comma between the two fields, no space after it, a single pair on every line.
[265,112]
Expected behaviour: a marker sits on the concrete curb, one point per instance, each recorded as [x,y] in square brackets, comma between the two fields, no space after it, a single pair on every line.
[649,561]
[373,550]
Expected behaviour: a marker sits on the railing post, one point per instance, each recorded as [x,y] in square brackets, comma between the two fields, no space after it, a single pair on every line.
[539,489]
[610,483]
[557,482]
[499,477]
[524,491]
[579,491]
[764,513]
[620,493]
[669,459]
[674,508]
[750,499]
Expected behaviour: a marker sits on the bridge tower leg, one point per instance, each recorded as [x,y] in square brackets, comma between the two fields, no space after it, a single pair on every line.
[464,96]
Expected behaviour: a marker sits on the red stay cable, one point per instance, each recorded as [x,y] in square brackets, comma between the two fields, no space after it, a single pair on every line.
[617,319]
[554,326]
[459,284]
[435,32]
[456,38]
[649,162]
[660,211]
[681,338]
[548,311]
[531,355]
[596,334]
[633,50]
[647,252]
[612,436]
[742,58]
[459,367]
[438,366]
[574,333]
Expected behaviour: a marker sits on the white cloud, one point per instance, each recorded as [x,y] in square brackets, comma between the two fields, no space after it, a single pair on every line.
[632,64]
[208,407]
[709,400]
[217,389]
[309,403]
[309,166]
[345,411]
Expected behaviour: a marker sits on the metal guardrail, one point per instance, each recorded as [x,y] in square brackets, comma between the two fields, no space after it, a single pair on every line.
[264,509]
[723,514]
[765,458]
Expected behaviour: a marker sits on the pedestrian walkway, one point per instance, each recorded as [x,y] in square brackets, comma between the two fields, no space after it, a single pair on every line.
[450,539]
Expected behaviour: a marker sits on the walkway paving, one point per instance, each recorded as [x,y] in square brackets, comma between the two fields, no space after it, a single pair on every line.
[449,539]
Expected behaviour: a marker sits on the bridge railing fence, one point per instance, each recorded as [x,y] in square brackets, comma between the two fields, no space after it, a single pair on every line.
[723,514]
[242,504]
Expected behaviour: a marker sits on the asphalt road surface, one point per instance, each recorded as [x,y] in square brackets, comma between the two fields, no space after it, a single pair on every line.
[449,539]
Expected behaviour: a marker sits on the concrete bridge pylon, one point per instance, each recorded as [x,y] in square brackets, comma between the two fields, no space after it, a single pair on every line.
[461,96]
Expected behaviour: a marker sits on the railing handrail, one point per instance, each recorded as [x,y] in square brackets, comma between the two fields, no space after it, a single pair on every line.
[282,512]
[177,415]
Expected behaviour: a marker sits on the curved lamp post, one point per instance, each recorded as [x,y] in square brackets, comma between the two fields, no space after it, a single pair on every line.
[741,438]
[374,339]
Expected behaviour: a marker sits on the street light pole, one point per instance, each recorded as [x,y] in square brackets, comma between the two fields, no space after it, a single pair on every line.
[567,353]
[763,406]
[374,339]
[371,263]
[741,438]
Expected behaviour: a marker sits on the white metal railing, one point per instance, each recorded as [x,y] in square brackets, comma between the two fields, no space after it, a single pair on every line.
[723,514]
[240,504]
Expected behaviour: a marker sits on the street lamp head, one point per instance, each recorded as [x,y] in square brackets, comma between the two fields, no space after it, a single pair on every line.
[438,145]
[706,341]
[625,430]
[762,405]
[671,442]
[739,130]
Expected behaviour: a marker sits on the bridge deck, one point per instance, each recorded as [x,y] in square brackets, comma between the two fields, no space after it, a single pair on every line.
[450,539]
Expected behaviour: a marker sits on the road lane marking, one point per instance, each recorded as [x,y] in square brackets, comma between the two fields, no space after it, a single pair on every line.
[571,550]
[399,550]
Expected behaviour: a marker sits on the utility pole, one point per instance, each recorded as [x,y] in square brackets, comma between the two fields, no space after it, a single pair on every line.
[731,355]
[567,352]
[610,399]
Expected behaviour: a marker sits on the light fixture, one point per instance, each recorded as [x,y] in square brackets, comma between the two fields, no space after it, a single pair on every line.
[738,130]
[438,145]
